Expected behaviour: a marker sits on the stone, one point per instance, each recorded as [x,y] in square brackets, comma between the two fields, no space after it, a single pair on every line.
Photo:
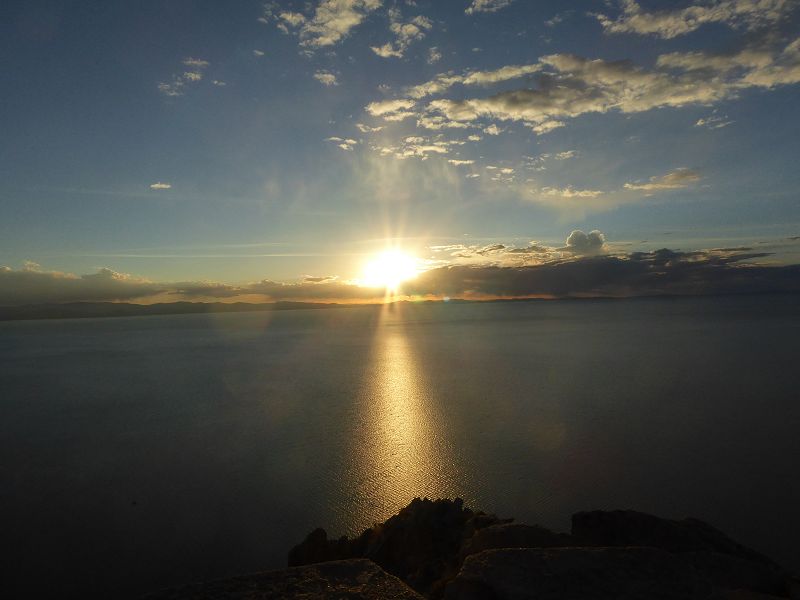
[577,573]
[356,579]
[514,535]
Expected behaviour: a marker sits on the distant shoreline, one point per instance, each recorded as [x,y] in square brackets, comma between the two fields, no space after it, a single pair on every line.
[98,310]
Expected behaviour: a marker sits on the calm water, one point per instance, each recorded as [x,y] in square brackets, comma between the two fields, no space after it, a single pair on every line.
[137,453]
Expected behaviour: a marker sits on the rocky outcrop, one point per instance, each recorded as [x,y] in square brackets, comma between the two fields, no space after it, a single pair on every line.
[442,549]
[356,579]
[723,561]
[421,544]
[585,573]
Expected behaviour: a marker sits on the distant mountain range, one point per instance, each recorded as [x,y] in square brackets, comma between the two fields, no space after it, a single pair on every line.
[84,310]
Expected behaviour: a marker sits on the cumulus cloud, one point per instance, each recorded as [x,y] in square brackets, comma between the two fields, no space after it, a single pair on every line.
[674,180]
[193,73]
[326,78]
[160,185]
[579,242]
[489,6]
[434,55]
[330,22]
[405,32]
[667,24]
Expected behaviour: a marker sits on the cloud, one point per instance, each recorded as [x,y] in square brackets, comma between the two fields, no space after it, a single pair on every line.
[489,6]
[405,33]
[158,185]
[343,143]
[330,23]
[579,242]
[667,24]
[434,55]
[391,110]
[459,162]
[713,121]
[584,267]
[662,272]
[570,192]
[569,86]
[674,180]
[258,53]
[326,78]
[444,81]
[193,74]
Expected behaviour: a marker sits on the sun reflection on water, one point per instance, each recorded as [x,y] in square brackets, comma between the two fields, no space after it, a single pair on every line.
[402,450]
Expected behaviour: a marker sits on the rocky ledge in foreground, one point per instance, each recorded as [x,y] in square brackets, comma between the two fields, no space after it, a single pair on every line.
[440,549]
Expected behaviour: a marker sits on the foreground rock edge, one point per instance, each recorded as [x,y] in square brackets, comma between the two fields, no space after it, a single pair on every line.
[441,549]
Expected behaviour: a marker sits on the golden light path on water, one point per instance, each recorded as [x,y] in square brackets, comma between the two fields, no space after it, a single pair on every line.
[402,449]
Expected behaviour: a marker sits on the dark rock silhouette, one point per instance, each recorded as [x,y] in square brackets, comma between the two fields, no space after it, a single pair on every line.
[356,579]
[421,544]
[442,549]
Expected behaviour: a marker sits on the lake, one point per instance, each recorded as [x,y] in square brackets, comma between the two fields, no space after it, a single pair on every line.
[137,453]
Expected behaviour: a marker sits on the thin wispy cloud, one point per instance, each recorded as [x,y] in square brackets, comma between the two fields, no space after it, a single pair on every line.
[486,6]
[192,74]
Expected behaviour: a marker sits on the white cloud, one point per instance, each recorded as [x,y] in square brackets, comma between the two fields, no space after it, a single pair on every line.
[667,24]
[479,6]
[434,55]
[459,162]
[674,180]
[493,130]
[326,78]
[193,74]
[330,23]
[405,33]
[158,185]
[258,53]
[579,242]
[344,143]
[570,192]
[367,129]
[713,121]
[573,86]
[565,155]
[382,108]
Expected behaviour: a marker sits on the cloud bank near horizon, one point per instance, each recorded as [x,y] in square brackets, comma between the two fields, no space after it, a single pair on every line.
[585,266]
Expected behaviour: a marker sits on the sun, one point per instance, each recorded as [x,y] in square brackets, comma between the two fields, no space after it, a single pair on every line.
[389,269]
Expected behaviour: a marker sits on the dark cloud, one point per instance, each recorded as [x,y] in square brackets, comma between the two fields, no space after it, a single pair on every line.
[581,272]
[636,274]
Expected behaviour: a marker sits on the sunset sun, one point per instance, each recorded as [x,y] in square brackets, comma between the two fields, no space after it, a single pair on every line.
[389,269]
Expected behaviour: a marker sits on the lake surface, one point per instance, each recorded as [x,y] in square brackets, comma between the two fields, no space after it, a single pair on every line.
[137,453]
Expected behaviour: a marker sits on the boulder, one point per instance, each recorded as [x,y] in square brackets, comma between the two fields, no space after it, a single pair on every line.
[357,579]
[514,535]
[726,563]
[577,573]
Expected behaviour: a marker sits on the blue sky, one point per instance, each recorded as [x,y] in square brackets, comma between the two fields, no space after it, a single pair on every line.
[238,142]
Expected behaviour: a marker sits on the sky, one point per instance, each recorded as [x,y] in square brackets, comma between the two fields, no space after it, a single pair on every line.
[268,150]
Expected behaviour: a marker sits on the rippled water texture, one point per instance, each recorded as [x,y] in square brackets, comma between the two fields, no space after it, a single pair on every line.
[142,452]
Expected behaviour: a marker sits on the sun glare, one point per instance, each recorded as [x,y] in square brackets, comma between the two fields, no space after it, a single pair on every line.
[389,269]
